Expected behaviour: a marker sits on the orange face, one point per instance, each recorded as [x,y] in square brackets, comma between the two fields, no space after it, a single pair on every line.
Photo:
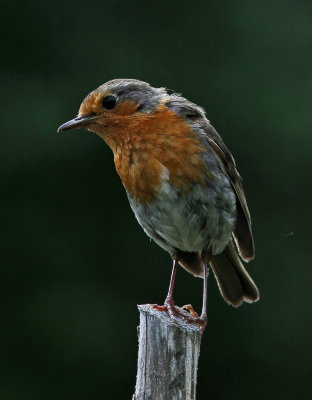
[93,103]
[113,125]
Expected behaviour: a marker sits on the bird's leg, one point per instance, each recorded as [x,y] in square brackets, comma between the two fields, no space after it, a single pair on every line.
[202,319]
[173,311]
[203,316]
[169,302]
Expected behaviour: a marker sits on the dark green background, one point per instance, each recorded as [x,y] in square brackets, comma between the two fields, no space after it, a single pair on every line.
[74,262]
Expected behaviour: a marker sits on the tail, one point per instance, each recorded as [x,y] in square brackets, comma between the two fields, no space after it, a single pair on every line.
[235,284]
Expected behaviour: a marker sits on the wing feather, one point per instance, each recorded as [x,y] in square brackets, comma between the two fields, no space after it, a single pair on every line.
[242,233]
[195,115]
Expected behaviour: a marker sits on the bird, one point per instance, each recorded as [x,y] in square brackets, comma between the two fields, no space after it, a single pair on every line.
[181,181]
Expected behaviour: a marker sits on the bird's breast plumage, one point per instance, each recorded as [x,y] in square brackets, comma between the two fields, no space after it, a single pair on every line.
[176,189]
[162,140]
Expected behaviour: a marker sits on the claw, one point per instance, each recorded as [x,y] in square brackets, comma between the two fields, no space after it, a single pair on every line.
[176,312]
[158,307]
[202,323]
[190,309]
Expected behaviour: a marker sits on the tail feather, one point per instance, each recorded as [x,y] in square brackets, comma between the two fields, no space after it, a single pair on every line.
[235,284]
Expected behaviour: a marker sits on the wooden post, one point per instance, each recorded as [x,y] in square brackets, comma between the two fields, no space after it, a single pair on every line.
[168,357]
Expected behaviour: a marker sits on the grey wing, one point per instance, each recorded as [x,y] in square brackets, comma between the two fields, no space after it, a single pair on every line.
[196,117]
[242,233]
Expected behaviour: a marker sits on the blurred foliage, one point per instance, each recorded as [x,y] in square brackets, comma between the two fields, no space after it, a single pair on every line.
[74,262]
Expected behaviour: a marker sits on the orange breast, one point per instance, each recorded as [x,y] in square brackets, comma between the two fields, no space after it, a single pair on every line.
[151,142]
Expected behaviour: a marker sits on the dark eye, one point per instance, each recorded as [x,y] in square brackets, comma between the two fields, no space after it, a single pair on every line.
[109,102]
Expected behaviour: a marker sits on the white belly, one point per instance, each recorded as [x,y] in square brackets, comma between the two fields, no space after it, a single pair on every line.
[204,218]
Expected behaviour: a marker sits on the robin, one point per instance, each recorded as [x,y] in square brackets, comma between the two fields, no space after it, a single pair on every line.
[181,181]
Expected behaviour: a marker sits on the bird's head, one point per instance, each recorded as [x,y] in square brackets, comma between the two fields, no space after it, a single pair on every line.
[116,106]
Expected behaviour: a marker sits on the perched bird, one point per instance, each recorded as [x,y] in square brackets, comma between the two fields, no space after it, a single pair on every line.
[181,181]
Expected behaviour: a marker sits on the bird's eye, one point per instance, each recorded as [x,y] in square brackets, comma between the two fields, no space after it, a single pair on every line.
[109,102]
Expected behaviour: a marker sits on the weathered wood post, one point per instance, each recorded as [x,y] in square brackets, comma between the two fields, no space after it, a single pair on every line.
[168,357]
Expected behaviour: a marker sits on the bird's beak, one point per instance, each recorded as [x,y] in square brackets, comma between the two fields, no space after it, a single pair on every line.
[77,122]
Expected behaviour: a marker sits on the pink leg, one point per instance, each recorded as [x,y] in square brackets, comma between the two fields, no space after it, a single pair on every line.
[169,302]
[171,308]
[203,317]
[174,312]
[169,298]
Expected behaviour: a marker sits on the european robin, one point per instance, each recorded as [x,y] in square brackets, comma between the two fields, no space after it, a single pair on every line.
[181,180]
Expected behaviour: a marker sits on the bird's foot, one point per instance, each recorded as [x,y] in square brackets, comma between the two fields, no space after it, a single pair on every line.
[190,309]
[200,321]
[175,313]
